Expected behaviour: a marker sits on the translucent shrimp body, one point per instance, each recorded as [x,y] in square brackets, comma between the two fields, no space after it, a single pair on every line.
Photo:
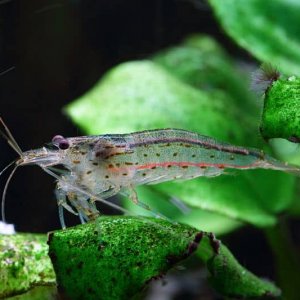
[98,167]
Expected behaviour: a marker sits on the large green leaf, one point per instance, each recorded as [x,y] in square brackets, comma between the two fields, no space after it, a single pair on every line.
[115,258]
[141,95]
[202,63]
[270,30]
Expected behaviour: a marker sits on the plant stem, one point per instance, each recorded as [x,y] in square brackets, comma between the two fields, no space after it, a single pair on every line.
[287,261]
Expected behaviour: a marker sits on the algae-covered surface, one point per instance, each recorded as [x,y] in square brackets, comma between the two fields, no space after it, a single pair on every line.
[281,114]
[116,257]
[24,263]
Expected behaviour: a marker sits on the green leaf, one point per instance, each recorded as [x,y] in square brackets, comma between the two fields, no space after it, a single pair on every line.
[24,263]
[141,95]
[269,30]
[176,209]
[116,257]
[228,274]
[202,63]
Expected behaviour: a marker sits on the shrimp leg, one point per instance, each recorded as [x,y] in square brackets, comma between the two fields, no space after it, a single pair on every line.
[131,193]
[62,203]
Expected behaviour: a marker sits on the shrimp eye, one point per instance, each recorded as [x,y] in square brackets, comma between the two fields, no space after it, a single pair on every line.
[61,142]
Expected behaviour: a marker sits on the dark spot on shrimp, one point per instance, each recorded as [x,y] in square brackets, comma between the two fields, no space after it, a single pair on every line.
[106,176]
[221,166]
[95,164]
[184,167]
[108,147]
[187,146]
[158,154]
[261,155]
[203,167]
[194,155]
[164,145]
[128,163]
[212,156]
[153,168]
[169,166]
[144,174]
[175,154]
[110,166]
[181,144]
[231,157]
[76,162]
[125,174]
[145,154]
[136,163]
[118,164]
[82,152]
[89,172]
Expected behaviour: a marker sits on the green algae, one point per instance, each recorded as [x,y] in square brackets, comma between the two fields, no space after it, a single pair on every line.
[281,114]
[24,263]
[116,257]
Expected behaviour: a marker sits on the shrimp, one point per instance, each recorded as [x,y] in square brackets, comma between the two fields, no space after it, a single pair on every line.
[99,167]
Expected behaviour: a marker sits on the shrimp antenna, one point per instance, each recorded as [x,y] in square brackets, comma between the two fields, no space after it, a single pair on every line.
[5,168]
[4,192]
[10,139]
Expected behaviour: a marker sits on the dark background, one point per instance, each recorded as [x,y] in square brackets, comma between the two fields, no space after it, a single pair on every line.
[51,52]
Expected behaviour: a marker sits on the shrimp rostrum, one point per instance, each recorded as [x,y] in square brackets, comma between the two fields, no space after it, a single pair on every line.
[98,167]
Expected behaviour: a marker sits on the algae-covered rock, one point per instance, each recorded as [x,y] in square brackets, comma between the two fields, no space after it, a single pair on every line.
[281,115]
[24,263]
[115,258]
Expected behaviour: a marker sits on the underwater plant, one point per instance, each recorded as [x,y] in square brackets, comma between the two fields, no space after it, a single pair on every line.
[195,86]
